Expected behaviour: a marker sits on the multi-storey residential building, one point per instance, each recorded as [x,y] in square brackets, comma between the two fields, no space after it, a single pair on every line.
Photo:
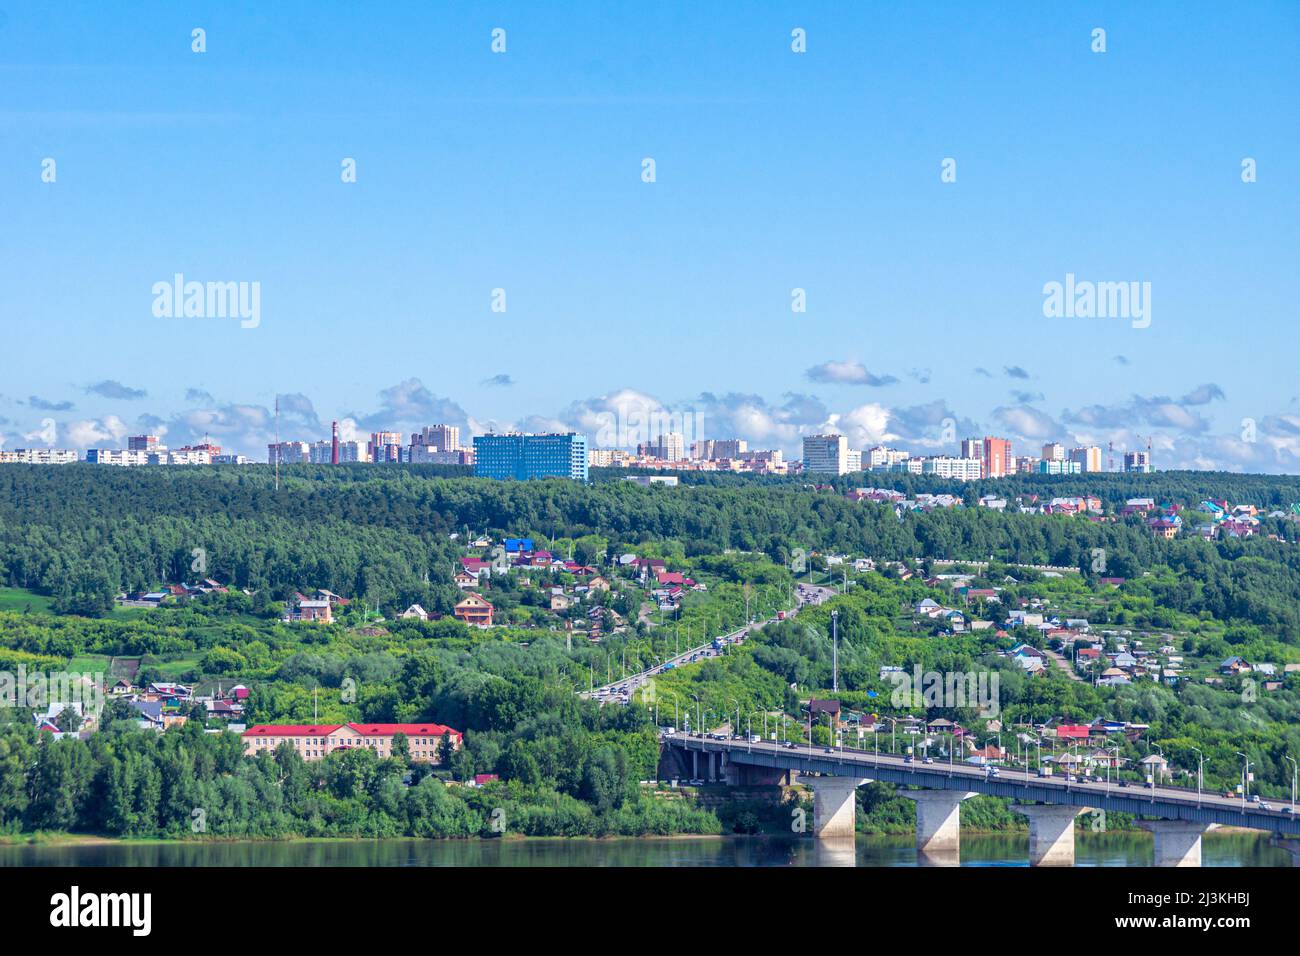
[880,455]
[322,452]
[713,449]
[906,466]
[1088,457]
[437,438]
[972,448]
[996,457]
[117,456]
[670,446]
[944,466]
[386,446]
[525,456]
[430,455]
[316,741]
[826,454]
[288,453]
[1056,466]
[144,443]
[853,461]
[1054,451]
[1139,461]
[39,456]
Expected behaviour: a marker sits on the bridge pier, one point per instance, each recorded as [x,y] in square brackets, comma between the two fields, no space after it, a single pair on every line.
[1178,842]
[938,824]
[1051,833]
[835,807]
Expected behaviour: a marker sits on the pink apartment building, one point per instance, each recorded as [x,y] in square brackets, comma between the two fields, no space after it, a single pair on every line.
[314,741]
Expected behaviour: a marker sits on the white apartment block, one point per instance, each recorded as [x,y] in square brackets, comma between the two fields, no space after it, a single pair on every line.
[1054,451]
[826,454]
[945,466]
[880,455]
[39,456]
[117,456]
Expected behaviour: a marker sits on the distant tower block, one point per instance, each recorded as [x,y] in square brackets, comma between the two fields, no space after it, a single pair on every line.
[334,452]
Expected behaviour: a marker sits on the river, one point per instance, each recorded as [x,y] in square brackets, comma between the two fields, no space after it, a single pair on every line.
[1109,849]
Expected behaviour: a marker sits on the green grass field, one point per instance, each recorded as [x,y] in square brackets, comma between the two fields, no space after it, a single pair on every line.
[21,600]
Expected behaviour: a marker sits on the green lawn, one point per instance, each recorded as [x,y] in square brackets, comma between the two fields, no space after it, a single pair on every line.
[22,600]
[90,664]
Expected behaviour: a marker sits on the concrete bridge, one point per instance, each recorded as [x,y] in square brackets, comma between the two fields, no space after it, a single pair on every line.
[1049,803]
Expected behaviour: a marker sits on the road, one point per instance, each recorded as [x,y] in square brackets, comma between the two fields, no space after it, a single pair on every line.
[621,690]
[850,762]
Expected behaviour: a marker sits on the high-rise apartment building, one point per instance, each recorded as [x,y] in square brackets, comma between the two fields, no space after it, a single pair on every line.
[1139,461]
[1054,451]
[826,454]
[531,456]
[670,446]
[1088,457]
[996,457]
[713,449]
[441,437]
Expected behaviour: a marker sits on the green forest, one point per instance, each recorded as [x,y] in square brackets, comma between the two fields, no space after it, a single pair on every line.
[73,538]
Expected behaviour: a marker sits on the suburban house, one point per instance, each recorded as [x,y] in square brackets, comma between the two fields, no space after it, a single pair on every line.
[304,610]
[474,609]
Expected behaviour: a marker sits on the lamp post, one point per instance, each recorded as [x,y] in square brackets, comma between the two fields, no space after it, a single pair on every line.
[1155,783]
[1200,774]
[1114,756]
[1245,779]
[1295,772]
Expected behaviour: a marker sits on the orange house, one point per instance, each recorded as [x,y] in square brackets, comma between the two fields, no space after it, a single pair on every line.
[474,609]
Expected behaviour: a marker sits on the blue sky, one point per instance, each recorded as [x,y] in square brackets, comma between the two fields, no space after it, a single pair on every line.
[774,171]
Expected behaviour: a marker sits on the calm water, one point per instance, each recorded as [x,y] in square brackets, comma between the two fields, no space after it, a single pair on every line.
[1117,849]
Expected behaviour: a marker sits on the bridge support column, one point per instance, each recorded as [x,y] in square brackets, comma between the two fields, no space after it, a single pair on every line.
[695,765]
[835,805]
[1051,833]
[938,824]
[713,767]
[1178,842]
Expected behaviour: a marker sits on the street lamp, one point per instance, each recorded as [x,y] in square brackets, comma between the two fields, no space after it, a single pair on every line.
[1155,782]
[1200,774]
[1245,779]
[1295,772]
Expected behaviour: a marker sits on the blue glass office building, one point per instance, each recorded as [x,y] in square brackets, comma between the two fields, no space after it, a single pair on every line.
[531,456]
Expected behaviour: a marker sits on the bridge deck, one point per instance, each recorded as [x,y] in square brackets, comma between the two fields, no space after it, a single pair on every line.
[1164,803]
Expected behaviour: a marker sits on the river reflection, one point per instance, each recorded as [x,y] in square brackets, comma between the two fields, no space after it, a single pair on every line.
[1091,849]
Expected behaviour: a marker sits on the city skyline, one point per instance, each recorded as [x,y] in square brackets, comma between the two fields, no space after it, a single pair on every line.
[884,223]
